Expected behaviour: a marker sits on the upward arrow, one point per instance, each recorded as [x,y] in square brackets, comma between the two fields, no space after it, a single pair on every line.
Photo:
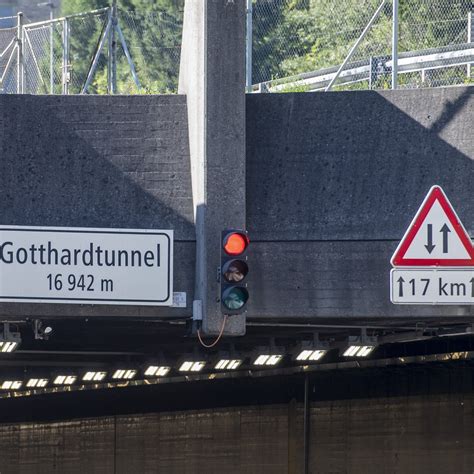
[445,230]
[400,282]
[429,246]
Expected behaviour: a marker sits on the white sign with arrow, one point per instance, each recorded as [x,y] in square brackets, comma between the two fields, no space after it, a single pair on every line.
[444,286]
[434,262]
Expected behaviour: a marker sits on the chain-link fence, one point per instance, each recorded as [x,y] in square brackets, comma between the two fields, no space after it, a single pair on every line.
[296,45]
[302,44]
[8,57]
[103,51]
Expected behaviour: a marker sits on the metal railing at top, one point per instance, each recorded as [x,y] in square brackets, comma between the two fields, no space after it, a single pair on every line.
[102,51]
[318,45]
[293,45]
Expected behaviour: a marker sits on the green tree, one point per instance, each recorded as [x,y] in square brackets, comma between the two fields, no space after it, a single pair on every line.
[267,48]
[152,31]
[296,36]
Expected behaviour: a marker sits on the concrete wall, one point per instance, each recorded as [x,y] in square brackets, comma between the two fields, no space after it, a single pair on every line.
[411,419]
[420,434]
[98,162]
[333,181]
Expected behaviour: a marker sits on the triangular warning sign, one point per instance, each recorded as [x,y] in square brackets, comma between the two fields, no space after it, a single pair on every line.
[435,237]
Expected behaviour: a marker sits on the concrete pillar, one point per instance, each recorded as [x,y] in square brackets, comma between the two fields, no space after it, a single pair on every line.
[212,75]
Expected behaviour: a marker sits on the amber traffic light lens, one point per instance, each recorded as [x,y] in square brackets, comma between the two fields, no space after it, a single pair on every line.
[235,243]
[234,271]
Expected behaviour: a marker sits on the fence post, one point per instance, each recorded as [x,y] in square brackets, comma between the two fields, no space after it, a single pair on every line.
[395,45]
[95,61]
[20,66]
[51,51]
[248,61]
[129,58]
[356,45]
[65,85]
[469,38]
[112,53]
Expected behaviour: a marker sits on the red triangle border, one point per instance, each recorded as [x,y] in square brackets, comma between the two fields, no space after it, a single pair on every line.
[435,194]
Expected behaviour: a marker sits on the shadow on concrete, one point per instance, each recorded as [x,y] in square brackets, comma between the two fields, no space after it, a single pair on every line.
[451,110]
[111,162]
[354,165]
[93,162]
[333,182]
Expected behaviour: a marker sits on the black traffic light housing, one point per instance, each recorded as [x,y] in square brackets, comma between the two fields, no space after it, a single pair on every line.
[233,271]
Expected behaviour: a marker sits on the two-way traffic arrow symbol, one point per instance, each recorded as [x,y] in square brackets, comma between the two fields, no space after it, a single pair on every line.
[429,238]
[445,230]
[429,246]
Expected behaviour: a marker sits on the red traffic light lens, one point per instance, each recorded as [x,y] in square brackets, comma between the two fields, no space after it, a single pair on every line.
[235,243]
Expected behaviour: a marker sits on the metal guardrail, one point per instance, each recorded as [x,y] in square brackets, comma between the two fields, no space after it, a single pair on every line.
[311,47]
[410,62]
[67,54]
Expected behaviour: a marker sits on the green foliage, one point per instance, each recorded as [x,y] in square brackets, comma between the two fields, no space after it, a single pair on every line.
[154,37]
[296,36]
[69,7]
[152,31]
[295,88]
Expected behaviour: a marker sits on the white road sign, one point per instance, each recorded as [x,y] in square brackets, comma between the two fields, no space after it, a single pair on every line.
[432,286]
[436,236]
[434,262]
[86,266]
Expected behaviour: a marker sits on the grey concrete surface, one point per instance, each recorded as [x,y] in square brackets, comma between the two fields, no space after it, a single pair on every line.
[212,74]
[98,162]
[334,180]
[355,165]
[330,279]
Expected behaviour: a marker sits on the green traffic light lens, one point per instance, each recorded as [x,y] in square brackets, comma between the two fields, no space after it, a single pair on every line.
[234,298]
[235,271]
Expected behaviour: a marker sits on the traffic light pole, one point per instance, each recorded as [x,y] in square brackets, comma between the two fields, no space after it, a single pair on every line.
[212,75]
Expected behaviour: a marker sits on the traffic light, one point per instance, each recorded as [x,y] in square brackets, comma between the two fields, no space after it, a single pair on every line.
[233,271]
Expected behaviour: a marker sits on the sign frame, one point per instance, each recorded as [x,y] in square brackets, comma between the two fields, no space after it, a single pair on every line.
[167,235]
[446,289]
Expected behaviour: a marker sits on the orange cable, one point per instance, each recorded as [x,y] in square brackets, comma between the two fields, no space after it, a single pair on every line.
[208,346]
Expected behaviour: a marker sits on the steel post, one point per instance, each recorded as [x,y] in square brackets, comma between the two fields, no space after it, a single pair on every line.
[95,61]
[109,52]
[469,38]
[113,48]
[395,45]
[20,57]
[356,45]
[248,59]
[51,51]
[65,65]
[128,56]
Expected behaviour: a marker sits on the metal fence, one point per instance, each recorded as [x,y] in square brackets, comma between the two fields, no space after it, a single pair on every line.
[296,45]
[340,45]
[102,51]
